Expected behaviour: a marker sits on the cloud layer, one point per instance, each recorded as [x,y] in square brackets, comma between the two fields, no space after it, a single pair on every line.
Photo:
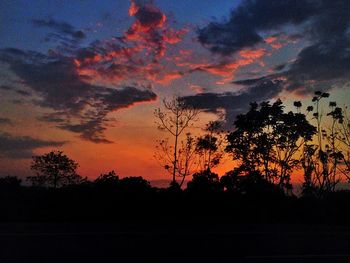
[323,62]
[78,106]
[22,147]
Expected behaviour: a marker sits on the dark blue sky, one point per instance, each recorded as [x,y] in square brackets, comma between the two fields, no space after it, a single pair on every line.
[17,30]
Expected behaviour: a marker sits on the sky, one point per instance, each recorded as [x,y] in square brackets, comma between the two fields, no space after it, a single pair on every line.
[85,77]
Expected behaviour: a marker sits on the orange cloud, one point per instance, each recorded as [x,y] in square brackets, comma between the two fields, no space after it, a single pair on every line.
[136,54]
[270,39]
[197,88]
[174,36]
[133,8]
[224,69]
[277,46]
[168,77]
[150,29]
[252,53]
[277,42]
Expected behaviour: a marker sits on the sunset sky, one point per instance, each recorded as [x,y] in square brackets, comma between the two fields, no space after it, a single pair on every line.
[85,76]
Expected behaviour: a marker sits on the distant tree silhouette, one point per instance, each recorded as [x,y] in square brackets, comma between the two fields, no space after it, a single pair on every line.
[266,141]
[54,169]
[10,183]
[108,180]
[175,118]
[134,184]
[204,182]
[251,184]
[209,146]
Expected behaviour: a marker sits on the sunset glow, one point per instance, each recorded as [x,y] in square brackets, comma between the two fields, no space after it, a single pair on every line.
[85,77]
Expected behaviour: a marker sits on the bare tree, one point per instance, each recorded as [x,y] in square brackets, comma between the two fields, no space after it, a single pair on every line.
[185,162]
[175,117]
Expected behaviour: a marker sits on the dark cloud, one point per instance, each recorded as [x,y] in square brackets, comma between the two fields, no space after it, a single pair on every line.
[252,17]
[60,27]
[93,123]
[322,63]
[6,87]
[18,91]
[79,107]
[67,38]
[23,93]
[279,67]
[5,121]
[22,147]
[234,103]
[325,62]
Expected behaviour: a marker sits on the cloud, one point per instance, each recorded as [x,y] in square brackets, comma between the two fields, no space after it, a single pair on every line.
[246,23]
[150,29]
[78,106]
[16,90]
[5,121]
[60,27]
[322,63]
[137,53]
[93,123]
[252,53]
[225,69]
[83,84]
[22,147]
[234,103]
[325,61]
[6,87]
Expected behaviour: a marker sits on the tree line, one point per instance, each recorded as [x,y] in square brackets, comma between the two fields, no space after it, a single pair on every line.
[267,144]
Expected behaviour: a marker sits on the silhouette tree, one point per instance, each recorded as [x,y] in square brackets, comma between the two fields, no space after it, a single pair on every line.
[204,182]
[321,158]
[252,184]
[185,161]
[174,118]
[107,180]
[290,133]
[343,137]
[134,184]
[54,169]
[266,141]
[10,182]
[209,146]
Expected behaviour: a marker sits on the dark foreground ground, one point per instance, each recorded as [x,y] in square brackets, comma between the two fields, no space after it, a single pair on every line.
[159,242]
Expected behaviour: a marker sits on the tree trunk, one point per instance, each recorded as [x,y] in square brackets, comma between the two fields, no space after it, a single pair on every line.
[175,148]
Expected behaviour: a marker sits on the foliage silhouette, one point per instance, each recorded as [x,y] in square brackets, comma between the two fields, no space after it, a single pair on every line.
[9,183]
[266,141]
[108,180]
[54,169]
[269,145]
[205,182]
[323,159]
[209,146]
